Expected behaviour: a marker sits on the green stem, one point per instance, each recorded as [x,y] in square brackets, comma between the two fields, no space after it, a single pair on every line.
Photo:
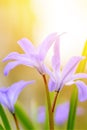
[4,118]
[51,120]
[16,122]
[54,102]
[72,111]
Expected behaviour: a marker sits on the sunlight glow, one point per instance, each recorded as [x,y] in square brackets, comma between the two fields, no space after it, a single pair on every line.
[65,16]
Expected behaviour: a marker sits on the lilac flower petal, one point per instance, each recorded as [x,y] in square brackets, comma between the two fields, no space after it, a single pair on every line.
[20,59]
[79,76]
[70,68]
[82,90]
[45,45]
[76,77]
[61,114]
[41,114]
[50,73]
[10,66]
[9,96]
[41,67]
[15,56]
[15,90]
[3,89]
[69,83]
[52,85]
[54,81]
[13,64]
[32,57]
[4,100]
[56,56]
[26,45]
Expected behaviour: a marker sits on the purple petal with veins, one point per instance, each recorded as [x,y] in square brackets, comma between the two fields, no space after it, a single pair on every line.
[10,66]
[26,45]
[70,68]
[79,76]
[52,85]
[82,90]
[8,96]
[56,56]
[32,57]
[13,64]
[45,45]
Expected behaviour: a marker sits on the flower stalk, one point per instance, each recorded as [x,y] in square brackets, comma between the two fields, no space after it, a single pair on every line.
[51,120]
[16,122]
[54,102]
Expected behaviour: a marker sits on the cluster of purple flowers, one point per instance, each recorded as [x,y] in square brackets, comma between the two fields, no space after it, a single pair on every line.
[34,57]
[60,115]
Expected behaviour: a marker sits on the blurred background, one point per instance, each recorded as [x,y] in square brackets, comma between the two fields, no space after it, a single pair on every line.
[35,19]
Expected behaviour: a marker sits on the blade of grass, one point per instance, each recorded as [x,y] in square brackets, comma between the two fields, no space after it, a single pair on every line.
[23,117]
[51,120]
[81,66]
[74,97]
[72,112]
[46,123]
[4,118]
[1,127]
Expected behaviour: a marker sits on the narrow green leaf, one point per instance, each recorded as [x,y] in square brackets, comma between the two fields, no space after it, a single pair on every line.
[74,97]
[4,118]
[23,117]
[72,112]
[84,53]
[1,127]
[81,66]
[46,124]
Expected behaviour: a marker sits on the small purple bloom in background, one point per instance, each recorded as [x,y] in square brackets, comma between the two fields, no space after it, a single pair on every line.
[33,57]
[60,115]
[62,111]
[8,96]
[67,76]
[41,114]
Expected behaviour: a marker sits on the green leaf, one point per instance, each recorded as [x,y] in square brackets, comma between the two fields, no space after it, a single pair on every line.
[72,112]
[81,66]
[1,127]
[74,97]
[4,118]
[46,124]
[23,117]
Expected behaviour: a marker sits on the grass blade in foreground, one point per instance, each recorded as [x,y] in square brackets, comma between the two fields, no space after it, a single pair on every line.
[4,119]
[72,112]
[82,64]
[23,117]
[1,127]
[46,124]
[81,68]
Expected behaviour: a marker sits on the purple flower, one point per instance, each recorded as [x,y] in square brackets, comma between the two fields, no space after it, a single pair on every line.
[62,111]
[60,115]
[67,76]
[41,114]
[8,96]
[33,57]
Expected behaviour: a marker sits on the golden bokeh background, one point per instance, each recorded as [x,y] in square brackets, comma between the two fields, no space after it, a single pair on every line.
[34,19]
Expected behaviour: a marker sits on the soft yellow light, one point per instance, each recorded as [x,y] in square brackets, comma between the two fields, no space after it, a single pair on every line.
[65,16]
